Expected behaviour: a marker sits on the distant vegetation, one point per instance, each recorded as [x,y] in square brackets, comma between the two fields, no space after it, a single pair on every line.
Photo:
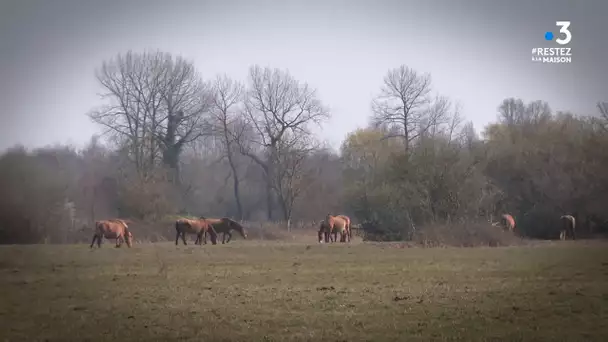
[175,143]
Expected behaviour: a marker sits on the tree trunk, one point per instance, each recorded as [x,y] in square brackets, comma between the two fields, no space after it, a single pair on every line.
[172,148]
[171,160]
[270,179]
[237,196]
[235,176]
[269,197]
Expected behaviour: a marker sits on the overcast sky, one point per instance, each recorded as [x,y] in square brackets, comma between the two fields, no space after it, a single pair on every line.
[478,53]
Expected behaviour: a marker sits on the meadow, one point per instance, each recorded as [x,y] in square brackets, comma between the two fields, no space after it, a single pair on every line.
[303,291]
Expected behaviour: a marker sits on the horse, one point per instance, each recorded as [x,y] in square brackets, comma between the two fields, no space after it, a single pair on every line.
[508,222]
[325,232]
[198,226]
[338,224]
[224,225]
[348,231]
[112,229]
[568,227]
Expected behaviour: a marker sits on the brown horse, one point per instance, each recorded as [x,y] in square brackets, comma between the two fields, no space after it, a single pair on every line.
[568,227]
[508,222]
[325,232]
[198,226]
[338,224]
[112,229]
[224,225]
[348,231]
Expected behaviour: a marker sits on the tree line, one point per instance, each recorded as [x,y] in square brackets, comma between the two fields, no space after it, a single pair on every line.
[176,143]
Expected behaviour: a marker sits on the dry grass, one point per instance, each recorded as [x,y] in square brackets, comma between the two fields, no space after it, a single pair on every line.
[279,291]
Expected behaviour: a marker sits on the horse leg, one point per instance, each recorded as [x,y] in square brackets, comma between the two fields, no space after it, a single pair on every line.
[177,238]
[205,237]
[184,238]
[562,235]
[229,236]
[118,241]
[94,238]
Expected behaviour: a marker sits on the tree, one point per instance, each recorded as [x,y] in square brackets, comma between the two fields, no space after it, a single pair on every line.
[292,177]
[602,107]
[156,105]
[405,101]
[227,94]
[276,104]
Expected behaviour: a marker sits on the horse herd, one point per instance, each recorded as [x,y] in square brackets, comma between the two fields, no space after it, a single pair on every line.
[328,229]
[119,230]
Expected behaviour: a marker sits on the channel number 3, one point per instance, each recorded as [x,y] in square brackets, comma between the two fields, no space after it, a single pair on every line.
[564,29]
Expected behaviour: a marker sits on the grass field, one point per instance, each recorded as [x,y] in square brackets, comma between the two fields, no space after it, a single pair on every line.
[278,291]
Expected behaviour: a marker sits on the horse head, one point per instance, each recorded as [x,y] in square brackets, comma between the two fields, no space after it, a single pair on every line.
[129,238]
[238,227]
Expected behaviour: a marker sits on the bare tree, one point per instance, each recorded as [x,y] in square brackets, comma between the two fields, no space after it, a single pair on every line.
[468,135]
[405,101]
[602,107]
[511,111]
[227,94]
[187,100]
[276,104]
[156,106]
[292,177]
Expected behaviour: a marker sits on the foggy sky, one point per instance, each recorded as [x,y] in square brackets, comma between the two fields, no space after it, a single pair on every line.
[478,53]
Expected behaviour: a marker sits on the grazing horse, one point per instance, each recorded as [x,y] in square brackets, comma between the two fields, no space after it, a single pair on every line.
[224,225]
[325,232]
[508,222]
[198,226]
[348,231]
[568,227]
[112,229]
[337,224]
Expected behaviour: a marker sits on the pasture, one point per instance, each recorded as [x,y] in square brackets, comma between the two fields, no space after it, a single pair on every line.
[282,291]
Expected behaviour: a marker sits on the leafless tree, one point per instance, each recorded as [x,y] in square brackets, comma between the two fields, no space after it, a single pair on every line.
[276,104]
[227,95]
[156,105]
[602,107]
[292,176]
[468,135]
[405,101]
[511,111]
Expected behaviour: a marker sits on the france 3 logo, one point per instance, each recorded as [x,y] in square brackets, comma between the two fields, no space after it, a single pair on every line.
[555,54]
